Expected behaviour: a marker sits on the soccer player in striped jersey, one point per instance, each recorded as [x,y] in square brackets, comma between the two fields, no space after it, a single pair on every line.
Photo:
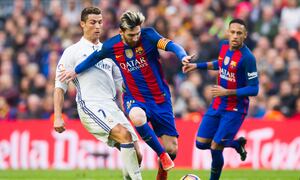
[96,91]
[237,80]
[146,96]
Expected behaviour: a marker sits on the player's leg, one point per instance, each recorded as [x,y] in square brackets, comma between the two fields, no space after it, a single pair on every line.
[234,121]
[125,173]
[138,152]
[206,132]
[138,116]
[226,131]
[163,123]
[106,122]
[171,145]
[128,152]
[207,129]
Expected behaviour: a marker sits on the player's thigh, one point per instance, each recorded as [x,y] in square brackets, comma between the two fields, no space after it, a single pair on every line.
[101,117]
[207,128]
[229,125]
[95,123]
[162,119]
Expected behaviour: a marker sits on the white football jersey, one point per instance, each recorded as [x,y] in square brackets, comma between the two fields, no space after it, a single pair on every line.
[95,84]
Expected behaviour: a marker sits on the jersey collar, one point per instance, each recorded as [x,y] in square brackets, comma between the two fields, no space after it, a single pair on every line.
[90,44]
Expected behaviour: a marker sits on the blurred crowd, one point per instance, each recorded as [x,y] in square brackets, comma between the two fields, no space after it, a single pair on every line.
[34,33]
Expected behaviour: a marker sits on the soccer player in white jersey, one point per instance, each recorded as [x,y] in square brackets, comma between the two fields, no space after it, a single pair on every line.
[96,91]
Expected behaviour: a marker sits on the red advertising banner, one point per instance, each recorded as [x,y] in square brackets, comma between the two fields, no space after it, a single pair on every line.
[35,145]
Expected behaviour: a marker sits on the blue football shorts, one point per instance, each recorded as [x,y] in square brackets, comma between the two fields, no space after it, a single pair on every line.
[220,125]
[160,116]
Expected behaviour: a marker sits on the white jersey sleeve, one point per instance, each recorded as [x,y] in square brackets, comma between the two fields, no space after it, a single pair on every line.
[66,62]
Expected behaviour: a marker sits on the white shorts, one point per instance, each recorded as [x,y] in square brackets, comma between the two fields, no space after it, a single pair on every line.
[100,117]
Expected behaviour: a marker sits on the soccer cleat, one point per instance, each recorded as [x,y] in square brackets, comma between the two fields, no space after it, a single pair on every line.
[161,174]
[242,150]
[166,161]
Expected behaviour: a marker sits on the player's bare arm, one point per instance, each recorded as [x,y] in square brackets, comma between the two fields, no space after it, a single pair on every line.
[58,124]
[220,91]
[67,75]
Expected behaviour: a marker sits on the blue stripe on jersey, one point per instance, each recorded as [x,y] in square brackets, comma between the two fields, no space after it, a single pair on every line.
[87,110]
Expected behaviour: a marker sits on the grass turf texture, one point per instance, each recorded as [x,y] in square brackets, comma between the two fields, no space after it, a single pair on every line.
[175,174]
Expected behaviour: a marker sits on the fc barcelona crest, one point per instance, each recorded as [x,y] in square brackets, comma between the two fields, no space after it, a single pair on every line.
[139,50]
[233,64]
[129,53]
[226,60]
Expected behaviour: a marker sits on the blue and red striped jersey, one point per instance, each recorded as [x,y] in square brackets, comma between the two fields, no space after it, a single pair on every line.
[237,69]
[140,67]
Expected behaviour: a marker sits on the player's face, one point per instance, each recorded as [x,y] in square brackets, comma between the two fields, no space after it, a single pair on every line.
[131,36]
[236,35]
[92,27]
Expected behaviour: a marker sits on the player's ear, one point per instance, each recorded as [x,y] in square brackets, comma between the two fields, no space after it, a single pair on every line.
[82,23]
[245,34]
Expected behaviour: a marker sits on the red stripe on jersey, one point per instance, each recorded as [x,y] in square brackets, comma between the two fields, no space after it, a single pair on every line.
[127,76]
[222,53]
[149,76]
[232,69]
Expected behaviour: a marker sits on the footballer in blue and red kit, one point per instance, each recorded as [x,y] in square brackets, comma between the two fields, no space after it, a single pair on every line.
[236,70]
[237,80]
[142,73]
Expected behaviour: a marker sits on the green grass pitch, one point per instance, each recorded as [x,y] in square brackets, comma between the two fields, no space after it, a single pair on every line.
[175,174]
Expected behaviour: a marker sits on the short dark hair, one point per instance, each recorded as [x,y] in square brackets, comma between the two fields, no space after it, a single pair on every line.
[87,11]
[239,21]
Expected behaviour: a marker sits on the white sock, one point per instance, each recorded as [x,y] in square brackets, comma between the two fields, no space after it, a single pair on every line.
[130,161]
[125,174]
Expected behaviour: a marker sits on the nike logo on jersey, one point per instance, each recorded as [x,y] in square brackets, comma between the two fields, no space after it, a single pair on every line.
[118,56]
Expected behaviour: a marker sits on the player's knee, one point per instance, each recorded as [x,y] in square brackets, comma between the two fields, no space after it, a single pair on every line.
[203,146]
[121,134]
[127,135]
[216,146]
[137,116]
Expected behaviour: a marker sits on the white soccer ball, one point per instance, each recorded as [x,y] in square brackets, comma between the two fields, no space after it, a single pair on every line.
[190,177]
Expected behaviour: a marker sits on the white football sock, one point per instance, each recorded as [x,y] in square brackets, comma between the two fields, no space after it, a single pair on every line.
[130,161]
[125,174]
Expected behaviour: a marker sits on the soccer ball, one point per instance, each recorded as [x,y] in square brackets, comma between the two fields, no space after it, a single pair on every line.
[190,177]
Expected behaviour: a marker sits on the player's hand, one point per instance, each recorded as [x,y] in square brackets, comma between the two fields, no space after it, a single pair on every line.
[59,125]
[67,75]
[189,67]
[187,59]
[218,91]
